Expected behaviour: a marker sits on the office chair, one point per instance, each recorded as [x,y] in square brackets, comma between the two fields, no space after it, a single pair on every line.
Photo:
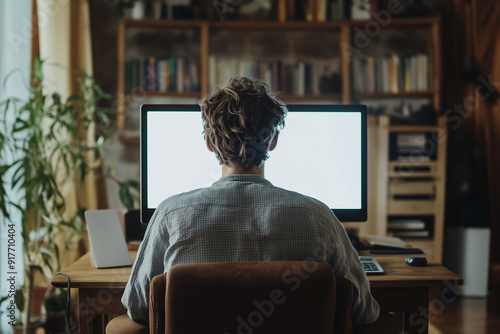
[246,297]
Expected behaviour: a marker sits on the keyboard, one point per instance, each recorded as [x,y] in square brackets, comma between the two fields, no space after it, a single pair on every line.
[370,265]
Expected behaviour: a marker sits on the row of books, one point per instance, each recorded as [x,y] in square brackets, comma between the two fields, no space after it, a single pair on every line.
[390,73]
[179,74]
[299,78]
[409,228]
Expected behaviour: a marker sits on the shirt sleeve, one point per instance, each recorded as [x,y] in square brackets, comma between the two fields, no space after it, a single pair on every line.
[345,262]
[148,263]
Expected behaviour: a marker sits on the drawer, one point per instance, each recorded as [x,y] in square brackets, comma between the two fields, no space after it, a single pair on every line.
[407,188]
[413,169]
[406,207]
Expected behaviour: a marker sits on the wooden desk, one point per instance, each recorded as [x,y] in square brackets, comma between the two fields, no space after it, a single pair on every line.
[401,289]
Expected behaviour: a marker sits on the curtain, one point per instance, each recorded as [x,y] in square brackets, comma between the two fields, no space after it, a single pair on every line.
[65,45]
[471,71]
[485,37]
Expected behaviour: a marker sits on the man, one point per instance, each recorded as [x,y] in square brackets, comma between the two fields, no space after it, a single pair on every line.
[242,216]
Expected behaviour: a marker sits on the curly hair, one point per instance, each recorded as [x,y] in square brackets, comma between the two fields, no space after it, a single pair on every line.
[241,119]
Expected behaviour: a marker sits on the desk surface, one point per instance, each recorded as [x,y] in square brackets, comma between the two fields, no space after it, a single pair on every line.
[397,273]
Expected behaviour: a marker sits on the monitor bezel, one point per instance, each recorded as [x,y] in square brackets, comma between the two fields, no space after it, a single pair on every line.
[344,215]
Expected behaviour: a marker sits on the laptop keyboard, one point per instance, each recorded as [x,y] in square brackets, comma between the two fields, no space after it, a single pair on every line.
[370,265]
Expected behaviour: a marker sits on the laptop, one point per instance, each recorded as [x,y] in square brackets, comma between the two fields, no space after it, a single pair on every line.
[108,248]
[370,265]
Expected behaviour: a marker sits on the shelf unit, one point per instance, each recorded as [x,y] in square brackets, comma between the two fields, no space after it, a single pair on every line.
[343,28]
[383,172]
[413,189]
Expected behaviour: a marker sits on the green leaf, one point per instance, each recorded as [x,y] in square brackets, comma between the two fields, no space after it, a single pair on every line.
[134,184]
[4,298]
[44,250]
[20,299]
[125,195]
[56,251]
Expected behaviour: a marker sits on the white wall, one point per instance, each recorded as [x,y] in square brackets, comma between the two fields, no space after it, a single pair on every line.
[15,53]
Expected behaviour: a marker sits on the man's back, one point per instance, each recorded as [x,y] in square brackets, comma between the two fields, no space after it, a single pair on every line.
[245,218]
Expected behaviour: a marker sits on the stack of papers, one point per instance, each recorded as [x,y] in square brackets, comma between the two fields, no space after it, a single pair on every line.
[378,241]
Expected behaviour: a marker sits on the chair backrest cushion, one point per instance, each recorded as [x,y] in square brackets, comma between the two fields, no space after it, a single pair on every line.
[250,297]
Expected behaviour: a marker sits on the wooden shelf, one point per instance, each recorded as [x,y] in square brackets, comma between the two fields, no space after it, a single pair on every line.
[156,23]
[165,94]
[403,187]
[270,25]
[275,25]
[410,207]
[399,22]
[307,97]
[408,171]
[413,128]
[426,93]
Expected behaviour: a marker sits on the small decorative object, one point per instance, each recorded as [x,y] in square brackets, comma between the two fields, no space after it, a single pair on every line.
[139,10]
[361,9]
[255,8]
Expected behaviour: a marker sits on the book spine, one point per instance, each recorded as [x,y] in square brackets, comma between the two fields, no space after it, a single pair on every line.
[212,72]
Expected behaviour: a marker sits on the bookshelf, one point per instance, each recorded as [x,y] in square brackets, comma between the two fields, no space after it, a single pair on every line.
[411,188]
[204,43]
[240,47]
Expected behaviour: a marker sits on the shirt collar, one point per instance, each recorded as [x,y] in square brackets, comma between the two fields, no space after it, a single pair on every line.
[244,178]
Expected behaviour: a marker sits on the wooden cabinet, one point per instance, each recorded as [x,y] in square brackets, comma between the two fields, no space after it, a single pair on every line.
[411,190]
[370,62]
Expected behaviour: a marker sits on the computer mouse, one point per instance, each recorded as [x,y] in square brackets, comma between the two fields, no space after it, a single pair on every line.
[417,261]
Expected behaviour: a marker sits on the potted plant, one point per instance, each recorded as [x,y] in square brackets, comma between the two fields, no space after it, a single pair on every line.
[50,140]
[15,311]
[53,311]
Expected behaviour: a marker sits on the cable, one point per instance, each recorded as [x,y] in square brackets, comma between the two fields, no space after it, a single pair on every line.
[68,301]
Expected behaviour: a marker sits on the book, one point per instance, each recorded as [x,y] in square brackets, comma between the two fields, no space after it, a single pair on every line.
[129,81]
[172,77]
[379,241]
[151,68]
[180,75]
[406,224]
[321,10]
[412,234]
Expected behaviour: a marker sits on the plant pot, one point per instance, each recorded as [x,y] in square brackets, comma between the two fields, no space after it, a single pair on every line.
[18,329]
[55,323]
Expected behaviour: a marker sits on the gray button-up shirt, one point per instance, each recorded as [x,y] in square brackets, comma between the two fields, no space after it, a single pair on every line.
[244,218]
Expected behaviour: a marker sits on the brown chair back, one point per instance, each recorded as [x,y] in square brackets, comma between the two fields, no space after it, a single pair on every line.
[250,297]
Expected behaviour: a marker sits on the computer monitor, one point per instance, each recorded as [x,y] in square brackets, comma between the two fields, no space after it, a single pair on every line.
[321,153]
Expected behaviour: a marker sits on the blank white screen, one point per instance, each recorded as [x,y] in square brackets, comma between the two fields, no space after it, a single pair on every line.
[318,154]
